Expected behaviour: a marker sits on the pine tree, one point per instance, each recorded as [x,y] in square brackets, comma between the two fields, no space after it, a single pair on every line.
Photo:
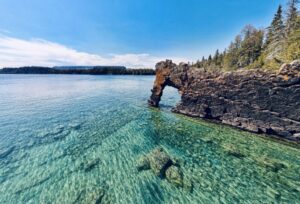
[292,46]
[231,57]
[209,61]
[216,57]
[250,46]
[291,16]
[249,50]
[275,37]
[276,29]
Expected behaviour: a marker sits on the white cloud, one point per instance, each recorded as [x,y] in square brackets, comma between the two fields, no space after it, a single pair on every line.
[17,52]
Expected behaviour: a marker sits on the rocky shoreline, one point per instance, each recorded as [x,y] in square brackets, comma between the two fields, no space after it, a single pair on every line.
[254,100]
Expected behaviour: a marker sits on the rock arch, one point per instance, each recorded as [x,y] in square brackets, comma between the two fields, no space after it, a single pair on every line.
[168,74]
[254,100]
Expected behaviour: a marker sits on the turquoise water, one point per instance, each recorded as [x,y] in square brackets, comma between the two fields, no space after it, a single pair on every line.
[64,139]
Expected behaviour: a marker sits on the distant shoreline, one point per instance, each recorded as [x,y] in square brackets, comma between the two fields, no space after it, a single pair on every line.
[79,70]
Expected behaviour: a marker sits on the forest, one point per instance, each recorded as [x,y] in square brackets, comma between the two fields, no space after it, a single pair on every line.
[97,70]
[257,48]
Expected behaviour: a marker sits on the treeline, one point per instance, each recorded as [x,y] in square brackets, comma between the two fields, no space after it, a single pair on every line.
[93,71]
[261,48]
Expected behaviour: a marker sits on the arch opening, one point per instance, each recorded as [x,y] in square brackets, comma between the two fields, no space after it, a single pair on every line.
[170,98]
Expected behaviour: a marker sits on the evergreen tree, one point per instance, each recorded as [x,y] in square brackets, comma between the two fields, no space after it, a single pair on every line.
[274,45]
[209,61]
[275,32]
[216,57]
[249,50]
[292,46]
[231,58]
[291,16]
[251,46]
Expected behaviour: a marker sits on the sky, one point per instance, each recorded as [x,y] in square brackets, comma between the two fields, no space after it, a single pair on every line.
[134,33]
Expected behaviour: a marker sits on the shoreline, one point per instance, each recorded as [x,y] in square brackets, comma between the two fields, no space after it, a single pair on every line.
[253,100]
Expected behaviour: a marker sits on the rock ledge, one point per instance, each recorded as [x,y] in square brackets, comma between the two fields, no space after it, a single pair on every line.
[254,100]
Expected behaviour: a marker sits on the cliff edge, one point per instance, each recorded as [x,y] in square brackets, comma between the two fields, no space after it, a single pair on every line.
[254,100]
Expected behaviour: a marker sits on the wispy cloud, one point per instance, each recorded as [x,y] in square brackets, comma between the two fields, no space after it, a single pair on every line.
[18,52]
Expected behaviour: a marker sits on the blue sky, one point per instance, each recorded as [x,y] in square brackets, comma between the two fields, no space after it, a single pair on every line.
[129,30]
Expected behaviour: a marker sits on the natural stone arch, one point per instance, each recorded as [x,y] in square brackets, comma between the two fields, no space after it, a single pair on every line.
[255,100]
[168,74]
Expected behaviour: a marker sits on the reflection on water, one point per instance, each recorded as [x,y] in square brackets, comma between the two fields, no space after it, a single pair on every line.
[71,139]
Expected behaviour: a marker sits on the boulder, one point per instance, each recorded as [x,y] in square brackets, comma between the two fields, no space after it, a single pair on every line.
[175,176]
[5,152]
[188,185]
[233,151]
[143,163]
[159,161]
[92,195]
[89,166]
[270,164]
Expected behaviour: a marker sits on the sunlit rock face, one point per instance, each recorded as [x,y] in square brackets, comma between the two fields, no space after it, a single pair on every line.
[254,100]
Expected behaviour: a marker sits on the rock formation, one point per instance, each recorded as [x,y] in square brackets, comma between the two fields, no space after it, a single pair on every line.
[254,100]
[162,166]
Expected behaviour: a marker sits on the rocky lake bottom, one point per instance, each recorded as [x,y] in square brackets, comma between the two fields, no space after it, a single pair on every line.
[77,139]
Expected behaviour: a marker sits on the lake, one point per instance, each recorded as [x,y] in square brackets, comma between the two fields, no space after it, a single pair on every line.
[63,137]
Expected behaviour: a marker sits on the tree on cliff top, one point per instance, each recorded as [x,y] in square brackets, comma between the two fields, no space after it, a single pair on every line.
[249,50]
[292,45]
[275,40]
[292,14]
[275,34]
[245,49]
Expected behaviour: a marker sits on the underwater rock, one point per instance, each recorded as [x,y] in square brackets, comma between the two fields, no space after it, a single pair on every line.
[93,195]
[159,161]
[188,185]
[75,126]
[4,153]
[175,176]
[233,151]
[255,100]
[163,166]
[143,163]
[91,165]
[270,164]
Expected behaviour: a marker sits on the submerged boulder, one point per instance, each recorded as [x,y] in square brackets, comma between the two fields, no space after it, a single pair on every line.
[159,161]
[175,176]
[5,152]
[91,165]
[143,163]
[271,164]
[233,151]
[92,195]
[163,166]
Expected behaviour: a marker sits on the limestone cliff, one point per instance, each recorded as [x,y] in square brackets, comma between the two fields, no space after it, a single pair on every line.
[254,100]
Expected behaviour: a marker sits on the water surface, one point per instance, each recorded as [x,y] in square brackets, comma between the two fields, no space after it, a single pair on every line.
[65,137]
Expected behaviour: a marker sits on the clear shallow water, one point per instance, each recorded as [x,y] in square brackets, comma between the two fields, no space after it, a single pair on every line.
[62,138]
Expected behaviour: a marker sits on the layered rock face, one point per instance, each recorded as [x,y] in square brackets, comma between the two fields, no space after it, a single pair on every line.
[254,100]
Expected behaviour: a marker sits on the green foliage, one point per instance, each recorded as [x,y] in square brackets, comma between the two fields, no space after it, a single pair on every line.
[92,71]
[292,46]
[292,14]
[251,46]
[249,49]
[275,37]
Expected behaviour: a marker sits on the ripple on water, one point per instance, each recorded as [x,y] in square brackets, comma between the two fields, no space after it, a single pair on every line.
[79,141]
